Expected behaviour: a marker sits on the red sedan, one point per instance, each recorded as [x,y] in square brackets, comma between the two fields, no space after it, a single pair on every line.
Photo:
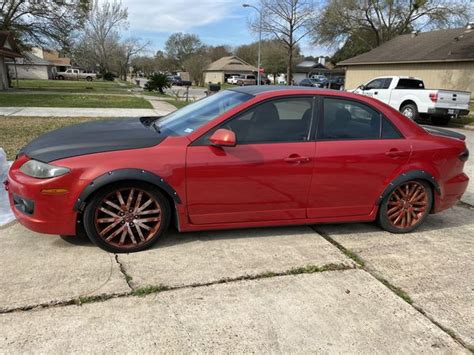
[247,157]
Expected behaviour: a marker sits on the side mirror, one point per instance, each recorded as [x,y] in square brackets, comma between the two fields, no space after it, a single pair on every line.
[362,87]
[223,138]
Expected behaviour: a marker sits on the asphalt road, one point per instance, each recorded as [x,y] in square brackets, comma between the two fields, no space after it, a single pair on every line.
[347,288]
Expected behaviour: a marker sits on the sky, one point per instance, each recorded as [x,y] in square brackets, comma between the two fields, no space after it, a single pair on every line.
[214,21]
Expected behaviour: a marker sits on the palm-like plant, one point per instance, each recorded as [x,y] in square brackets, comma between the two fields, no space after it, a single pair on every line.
[157,82]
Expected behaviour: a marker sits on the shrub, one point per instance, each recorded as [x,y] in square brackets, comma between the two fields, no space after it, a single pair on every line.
[109,76]
[157,82]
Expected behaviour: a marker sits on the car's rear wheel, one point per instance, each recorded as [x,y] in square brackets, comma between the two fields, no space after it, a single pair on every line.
[406,207]
[89,78]
[126,218]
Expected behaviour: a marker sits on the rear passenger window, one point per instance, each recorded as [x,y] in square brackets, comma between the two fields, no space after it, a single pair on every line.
[350,120]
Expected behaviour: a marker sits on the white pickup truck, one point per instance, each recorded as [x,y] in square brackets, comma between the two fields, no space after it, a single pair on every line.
[75,74]
[409,96]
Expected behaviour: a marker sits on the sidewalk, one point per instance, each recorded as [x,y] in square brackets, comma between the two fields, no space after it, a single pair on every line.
[158,110]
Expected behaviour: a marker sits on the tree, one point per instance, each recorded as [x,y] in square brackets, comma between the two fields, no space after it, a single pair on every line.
[165,63]
[180,46]
[101,36]
[43,22]
[128,49]
[365,24]
[195,65]
[274,55]
[287,21]
[144,64]
[217,52]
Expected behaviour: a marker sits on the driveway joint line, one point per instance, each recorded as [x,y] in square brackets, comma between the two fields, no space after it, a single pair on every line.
[395,289]
[155,289]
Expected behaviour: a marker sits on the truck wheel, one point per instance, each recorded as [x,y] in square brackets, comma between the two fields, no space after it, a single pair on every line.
[410,111]
[240,83]
[60,77]
[440,120]
[89,78]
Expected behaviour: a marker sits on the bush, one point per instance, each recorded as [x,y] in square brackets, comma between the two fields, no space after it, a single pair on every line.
[157,82]
[109,76]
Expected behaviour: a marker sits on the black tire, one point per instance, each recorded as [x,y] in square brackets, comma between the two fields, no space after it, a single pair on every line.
[240,83]
[440,120]
[89,78]
[127,219]
[410,111]
[389,208]
[60,77]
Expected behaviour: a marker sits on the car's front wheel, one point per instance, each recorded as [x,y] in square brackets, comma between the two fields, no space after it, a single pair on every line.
[406,207]
[127,217]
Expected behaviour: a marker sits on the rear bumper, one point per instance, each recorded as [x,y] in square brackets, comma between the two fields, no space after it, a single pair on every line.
[447,112]
[451,193]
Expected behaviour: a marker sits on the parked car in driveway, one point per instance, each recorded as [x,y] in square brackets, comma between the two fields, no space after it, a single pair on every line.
[244,157]
[247,79]
[409,96]
[75,74]
[233,79]
[177,81]
[311,83]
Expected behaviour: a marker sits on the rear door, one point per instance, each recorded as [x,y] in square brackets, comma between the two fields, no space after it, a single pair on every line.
[358,152]
[265,177]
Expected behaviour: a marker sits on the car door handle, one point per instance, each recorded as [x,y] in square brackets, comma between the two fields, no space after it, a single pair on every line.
[296,159]
[395,153]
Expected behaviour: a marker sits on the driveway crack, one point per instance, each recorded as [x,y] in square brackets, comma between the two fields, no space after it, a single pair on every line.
[128,278]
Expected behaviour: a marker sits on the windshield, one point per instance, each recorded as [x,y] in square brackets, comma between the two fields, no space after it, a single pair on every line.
[190,118]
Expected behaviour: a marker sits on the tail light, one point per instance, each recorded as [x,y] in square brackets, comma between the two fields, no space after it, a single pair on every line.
[434,96]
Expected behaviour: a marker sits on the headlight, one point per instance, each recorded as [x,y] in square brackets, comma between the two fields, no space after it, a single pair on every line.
[41,170]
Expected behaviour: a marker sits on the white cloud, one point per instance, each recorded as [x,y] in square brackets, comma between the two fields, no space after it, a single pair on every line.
[176,15]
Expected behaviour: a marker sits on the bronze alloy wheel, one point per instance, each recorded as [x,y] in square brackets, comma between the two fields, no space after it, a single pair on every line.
[128,217]
[408,204]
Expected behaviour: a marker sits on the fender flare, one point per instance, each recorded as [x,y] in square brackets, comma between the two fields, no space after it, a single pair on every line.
[123,175]
[410,175]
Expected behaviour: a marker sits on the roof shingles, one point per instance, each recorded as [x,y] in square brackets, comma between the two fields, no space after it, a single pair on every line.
[435,46]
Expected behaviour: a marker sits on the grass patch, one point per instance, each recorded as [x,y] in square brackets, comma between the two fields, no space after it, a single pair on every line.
[64,84]
[72,100]
[146,290]
[349,253]
[311,269]
[16,132]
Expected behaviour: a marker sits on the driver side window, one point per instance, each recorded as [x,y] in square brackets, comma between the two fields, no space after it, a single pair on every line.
[284,120]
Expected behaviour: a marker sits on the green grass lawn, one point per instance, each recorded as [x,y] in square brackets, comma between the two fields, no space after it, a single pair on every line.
[71,86]
[16,132]
[14,99]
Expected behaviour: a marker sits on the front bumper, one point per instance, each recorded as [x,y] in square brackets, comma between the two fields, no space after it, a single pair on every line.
[40,212]
[444,112]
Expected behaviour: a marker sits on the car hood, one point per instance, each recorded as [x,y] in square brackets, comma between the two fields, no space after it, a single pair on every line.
[93,137]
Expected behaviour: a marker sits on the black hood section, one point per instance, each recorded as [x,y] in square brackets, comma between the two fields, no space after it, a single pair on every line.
[93,137]
[444,132]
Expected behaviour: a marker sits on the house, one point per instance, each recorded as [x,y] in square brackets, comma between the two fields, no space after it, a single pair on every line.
[306,68]
[443,59]
[31,66]
[61,63]
[8,51]
[221,69]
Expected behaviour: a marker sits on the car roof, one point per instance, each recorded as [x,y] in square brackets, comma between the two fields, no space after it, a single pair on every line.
[256,90]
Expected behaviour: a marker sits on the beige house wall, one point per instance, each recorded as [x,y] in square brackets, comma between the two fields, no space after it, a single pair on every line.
[213,77]
[30,72]
[452,76]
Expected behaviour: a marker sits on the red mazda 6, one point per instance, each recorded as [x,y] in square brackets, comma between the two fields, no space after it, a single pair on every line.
[246,157]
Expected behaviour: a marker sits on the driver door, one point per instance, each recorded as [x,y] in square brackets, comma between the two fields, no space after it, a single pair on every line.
[266,176]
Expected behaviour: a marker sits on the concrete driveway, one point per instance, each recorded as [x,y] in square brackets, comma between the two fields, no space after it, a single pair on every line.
[326,288]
